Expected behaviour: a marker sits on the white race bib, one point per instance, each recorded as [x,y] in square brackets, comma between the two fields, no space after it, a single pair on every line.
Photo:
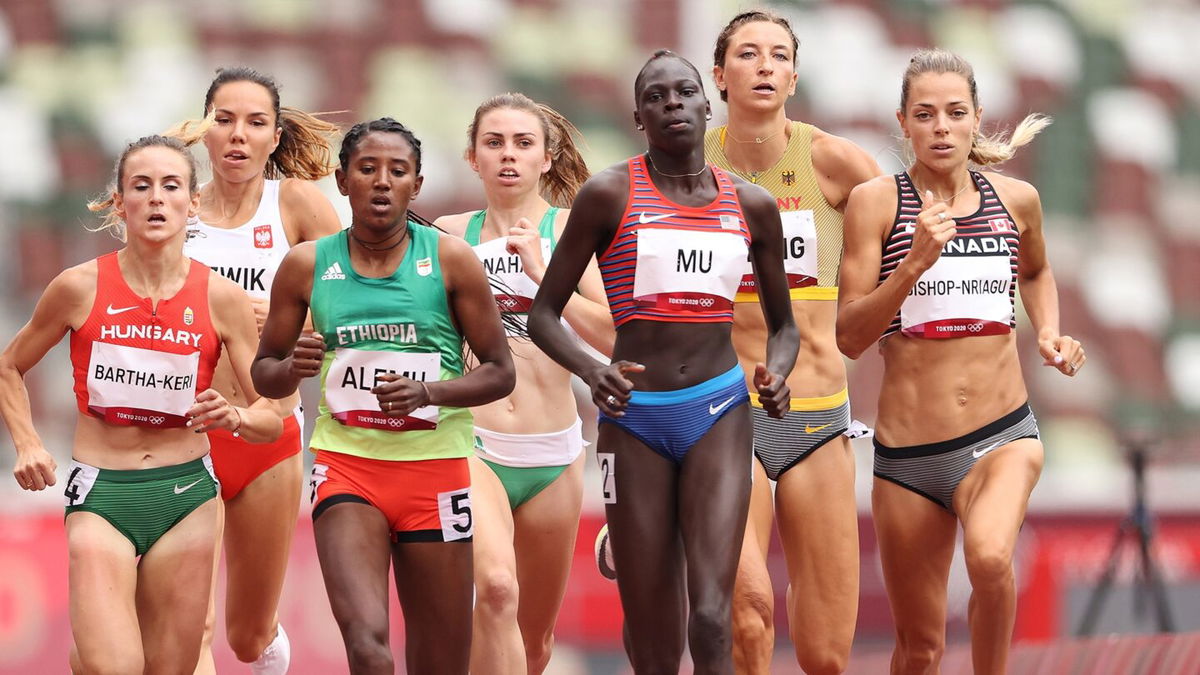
[959,297]
[508,269]
[688,270]
[141,387]
[799,252]
[354,372]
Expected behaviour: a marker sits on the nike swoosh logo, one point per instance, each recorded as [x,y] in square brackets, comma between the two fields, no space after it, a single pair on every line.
[980,453]
[642,219]
[813,430]
[181,490]
[714,409]
[112,311]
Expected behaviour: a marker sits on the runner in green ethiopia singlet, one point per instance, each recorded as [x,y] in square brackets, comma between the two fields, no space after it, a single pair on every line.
[399,324]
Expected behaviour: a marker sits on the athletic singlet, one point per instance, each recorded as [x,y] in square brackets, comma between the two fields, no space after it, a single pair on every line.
[398,324]
[669,262]
[812,229]
[506,268]
[971,289]
[247,255]
[139,364]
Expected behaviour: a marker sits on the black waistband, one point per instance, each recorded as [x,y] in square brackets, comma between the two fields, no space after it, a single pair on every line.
[970,438]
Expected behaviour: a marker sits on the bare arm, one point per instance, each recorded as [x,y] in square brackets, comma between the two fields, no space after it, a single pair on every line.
[587,309]
[284,358]
[258,422]
[783,338]
[1039,292]
[63,306]
[589,229]
[864,308]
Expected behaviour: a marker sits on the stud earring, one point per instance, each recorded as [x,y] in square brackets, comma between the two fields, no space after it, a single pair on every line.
[708,116]
[640,127]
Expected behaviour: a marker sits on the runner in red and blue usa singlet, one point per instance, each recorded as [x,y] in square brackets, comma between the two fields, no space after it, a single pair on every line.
[669,262]
[971,289]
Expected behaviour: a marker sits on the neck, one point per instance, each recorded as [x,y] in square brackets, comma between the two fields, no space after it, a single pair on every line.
[944,185]
[744,154]
[689,167]
[380,244]
[504,209]
[148,267]
[222,200]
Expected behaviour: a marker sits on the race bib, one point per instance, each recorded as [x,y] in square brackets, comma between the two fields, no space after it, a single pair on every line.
[141,387]
[960,296]
[516,289]
[688,270]
[354,372]
[799,252]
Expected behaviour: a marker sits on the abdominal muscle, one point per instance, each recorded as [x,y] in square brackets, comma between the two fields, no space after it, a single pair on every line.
[541,402]
[937,390]
[819,369]
[109,446]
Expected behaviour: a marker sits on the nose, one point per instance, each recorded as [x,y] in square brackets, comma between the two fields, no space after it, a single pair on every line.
[674,101]
[383,180]
[507,151]
[765,66]
[157,195]
[941,124]
[239,131]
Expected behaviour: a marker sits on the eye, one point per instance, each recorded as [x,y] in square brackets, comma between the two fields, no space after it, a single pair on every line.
[171,186]
[748,54]
[959,113]
[259,123]
[366,168]
[780,56]
[399,172]
[222,120]
[525,143]
[922,115]
[688,91]
[493,143]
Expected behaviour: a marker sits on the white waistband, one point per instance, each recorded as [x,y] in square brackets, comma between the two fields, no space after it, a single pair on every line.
[556,448]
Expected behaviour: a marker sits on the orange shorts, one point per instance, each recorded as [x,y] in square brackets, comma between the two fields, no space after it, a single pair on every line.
[426,500]
[237,463]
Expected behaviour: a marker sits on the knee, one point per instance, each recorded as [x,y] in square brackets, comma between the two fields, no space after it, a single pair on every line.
[497,593]
[753,619]
[113,663]
[989,566]
[917,654]
[249,642]
[537,652]
[825,661]
[709,633]
[368,651]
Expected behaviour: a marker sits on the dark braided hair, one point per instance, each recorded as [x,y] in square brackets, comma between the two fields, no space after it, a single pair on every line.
[384,124]
[663,53]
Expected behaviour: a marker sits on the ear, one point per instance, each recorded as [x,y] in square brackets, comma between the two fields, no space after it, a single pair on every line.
[719,77]
[637,120]
[547,163]
[194,207]
[339,177]
[471,161]
[707,110]
[118,204]
[278,135]
[416,189]
[978,120]
[900,119]
[792,87]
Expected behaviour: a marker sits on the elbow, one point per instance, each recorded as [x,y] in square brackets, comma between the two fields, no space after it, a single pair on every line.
[506,378]
[848,345]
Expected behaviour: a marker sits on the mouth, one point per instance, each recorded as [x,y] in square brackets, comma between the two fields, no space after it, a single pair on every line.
[509,173]
[157,219]
[381,201]
[677,124]
[941,147]
[765,88]
[236,156]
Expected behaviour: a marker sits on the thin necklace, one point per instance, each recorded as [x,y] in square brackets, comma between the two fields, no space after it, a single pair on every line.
[674,175]
[370,246]
[945,200]
[757,139]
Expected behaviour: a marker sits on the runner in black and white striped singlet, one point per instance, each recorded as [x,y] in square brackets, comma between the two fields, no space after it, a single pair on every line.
[931,259]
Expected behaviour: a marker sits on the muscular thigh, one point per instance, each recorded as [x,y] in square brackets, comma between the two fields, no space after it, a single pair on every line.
[916,540]
[992,499]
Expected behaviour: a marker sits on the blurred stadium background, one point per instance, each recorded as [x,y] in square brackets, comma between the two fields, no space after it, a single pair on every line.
[1119,175]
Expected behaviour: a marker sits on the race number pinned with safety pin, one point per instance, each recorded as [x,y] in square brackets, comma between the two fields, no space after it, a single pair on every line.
[608,473]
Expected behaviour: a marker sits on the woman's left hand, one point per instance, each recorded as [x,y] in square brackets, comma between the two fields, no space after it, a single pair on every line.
[526,242]
[1064,353]
[212,411]
[399,396]
[773,391]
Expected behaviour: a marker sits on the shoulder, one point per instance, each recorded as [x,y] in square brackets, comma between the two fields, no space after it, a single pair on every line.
[301,256]
[222,291]
[455,223]
[751,196]
[877,195]
[302,202]
[74,283]
[1019,197]
[297,192]
[614,179]
[452,245]
[560,219]
[841,159]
